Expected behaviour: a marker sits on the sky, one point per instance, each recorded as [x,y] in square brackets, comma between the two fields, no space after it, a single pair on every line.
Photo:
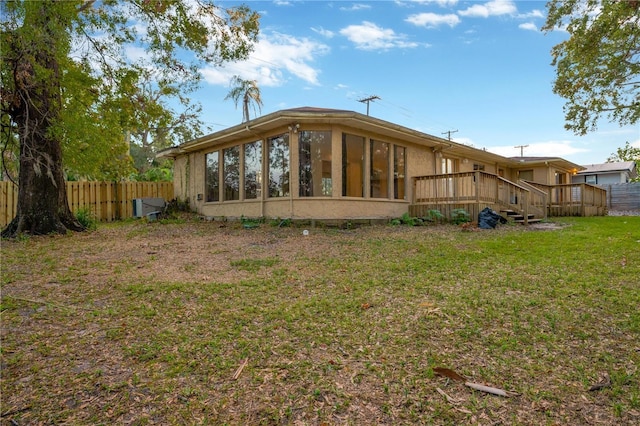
[478,69]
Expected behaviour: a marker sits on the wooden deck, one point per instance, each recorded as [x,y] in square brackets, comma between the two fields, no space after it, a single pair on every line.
[473,191]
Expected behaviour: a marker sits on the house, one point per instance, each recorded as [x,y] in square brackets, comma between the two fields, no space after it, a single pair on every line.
[328,164]
[546,170]
[607,173]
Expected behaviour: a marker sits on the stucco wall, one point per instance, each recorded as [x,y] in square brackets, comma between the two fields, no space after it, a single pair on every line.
[420,160]
[180,178]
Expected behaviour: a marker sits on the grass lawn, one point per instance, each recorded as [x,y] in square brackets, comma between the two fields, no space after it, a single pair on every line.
[200,323]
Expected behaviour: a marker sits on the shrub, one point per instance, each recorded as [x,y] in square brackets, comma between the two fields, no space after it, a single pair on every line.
[459,216]
[434,216]
[87,218]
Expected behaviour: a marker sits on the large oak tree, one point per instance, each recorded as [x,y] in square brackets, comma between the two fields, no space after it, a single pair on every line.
[598,66]
[70,67]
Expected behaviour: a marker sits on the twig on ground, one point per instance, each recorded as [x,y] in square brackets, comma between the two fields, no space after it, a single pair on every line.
[239,370]
[446,372]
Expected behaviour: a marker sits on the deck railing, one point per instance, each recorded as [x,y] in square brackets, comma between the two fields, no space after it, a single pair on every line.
[478,188]
[574,199]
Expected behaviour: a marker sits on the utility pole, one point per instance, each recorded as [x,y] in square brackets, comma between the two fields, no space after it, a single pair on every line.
[367,100]
[448,133]
[522,147]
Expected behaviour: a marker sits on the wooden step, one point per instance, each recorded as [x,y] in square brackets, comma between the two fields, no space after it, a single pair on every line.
[519,218]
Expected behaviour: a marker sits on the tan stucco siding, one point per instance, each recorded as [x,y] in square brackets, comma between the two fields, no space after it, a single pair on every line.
[180,176]
[301,208]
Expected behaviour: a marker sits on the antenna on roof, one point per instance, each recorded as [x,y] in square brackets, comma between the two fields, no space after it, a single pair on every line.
[522,147]
[448,133]
[367,100]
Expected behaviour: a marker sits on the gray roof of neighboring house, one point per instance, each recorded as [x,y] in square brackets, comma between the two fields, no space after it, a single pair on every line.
[622,166]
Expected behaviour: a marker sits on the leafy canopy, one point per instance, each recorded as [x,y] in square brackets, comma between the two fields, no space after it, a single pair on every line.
[122,64]
[598,67]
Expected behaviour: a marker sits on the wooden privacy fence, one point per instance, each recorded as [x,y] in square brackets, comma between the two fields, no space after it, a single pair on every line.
[623,196]
[106,200]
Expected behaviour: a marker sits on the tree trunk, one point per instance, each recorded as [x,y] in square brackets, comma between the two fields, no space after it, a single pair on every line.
[42,195]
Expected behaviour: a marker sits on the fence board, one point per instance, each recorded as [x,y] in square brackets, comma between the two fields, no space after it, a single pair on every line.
[108,201]
[623,196]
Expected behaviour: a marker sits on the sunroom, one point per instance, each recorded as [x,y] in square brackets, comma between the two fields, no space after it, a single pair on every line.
[305,163]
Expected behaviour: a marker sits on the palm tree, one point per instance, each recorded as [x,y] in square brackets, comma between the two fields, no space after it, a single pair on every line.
[249,92]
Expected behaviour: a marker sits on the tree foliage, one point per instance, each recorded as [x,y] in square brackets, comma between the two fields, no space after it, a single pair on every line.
[598,66]
[78,75]
[155,125]
[249,92]
[627,153]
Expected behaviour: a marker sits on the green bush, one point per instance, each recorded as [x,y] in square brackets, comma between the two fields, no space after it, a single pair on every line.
[459,216]
[87,218]
[434,216]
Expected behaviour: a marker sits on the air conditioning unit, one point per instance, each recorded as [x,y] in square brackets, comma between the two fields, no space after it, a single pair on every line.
[147,206]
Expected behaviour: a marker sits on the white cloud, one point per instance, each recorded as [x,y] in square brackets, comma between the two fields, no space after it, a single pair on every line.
[432,20]
[539,149]
[441,3]
[356,7]
[369,36]
[533,14]
[530,26]
[274,58]
[323,32]
[492,8]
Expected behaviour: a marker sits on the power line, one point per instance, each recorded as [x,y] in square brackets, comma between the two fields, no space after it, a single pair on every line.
[367,100]
[522,147]
[448,133]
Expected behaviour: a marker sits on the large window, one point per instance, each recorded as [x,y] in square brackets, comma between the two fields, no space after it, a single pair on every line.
[379,169]
[252,170]
[525,175]
[279,166]
[352,165]
[212,178]
[315,163]
[231,173]
[399,172]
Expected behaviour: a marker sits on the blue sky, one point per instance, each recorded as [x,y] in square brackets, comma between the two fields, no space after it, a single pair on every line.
[479,67]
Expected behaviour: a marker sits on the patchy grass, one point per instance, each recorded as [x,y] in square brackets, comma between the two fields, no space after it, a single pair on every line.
[148,323]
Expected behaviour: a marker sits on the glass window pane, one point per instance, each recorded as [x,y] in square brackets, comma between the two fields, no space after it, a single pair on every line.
[211,177]
[279,166]
[231,172]
[525,175]
[399,171]
[352,165]
[315,163]
[379,169]
[253,170]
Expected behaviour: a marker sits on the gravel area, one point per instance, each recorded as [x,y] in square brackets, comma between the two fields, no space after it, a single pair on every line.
[624,212]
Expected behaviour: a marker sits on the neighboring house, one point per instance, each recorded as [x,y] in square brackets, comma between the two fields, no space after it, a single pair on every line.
[313,163]
[607,173]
